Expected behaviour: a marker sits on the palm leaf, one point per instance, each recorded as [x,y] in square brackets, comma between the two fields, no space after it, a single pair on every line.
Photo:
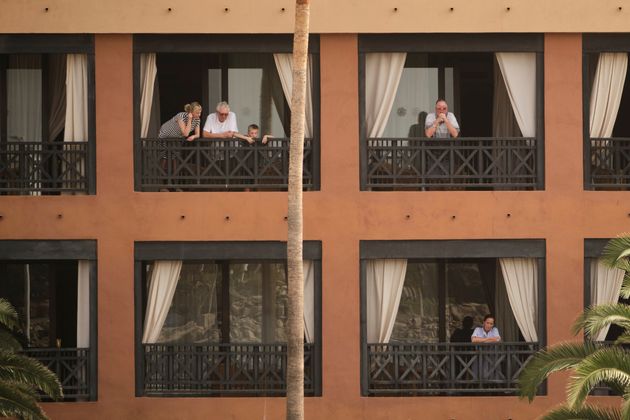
[557,358]
[598,317]
[8,341]
[18,401]
[616,250]
[625,287]
[587,412]
[25,370]
[607,364]
[8,315]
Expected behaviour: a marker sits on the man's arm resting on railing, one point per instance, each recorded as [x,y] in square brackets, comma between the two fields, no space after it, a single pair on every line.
[485,340]
[224,135]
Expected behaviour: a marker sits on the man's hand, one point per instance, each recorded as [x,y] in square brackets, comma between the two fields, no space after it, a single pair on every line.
[228,134]
[441,118]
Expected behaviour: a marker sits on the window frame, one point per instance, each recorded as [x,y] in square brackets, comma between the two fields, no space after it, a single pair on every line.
[454,43]
[229,251]
[451,250]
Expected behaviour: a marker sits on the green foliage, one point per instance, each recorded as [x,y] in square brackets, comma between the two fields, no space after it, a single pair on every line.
[591,364]
[21,378]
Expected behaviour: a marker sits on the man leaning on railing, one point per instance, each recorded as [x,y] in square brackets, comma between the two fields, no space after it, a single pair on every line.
[441,124]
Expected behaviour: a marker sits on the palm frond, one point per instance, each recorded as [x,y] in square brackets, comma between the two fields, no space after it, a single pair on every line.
[616,250]
[595,318]
[8,341]
[22,369]
[8,315]
[557,358]
[18,401]
[625,286]
[623,339]
[607,364]
[587,412]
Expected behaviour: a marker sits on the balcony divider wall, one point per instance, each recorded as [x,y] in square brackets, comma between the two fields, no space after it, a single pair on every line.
[69,364]
[460,353]
[221,353]
[478,155]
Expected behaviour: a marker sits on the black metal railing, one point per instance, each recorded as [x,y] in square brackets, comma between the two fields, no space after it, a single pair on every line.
[72,367]
[609,167]
[221,369]
[445,164]
[446,368]
[211,164]
[30,167]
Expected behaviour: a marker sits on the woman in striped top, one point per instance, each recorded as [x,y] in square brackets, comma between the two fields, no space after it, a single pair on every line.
[182,125]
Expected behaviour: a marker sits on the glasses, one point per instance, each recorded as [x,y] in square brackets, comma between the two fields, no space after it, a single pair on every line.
[223,114]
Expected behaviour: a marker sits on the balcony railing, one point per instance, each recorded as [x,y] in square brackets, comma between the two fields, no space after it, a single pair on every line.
[446,368]
[30,167]
[609,167]
[447,164]
[222,369]
[211,164]
[72,367]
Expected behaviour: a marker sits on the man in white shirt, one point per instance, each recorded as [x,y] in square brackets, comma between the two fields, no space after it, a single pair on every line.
[221,124]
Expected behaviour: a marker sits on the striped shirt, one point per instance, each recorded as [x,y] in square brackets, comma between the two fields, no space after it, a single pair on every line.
[171,127]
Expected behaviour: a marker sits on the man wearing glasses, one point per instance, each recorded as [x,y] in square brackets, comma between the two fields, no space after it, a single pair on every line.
[221,124]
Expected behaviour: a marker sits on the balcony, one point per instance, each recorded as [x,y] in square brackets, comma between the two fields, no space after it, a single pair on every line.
[72,367]
[400,369]
[211,165]
[35,168]
[221,369]
[480,163]
[609,167]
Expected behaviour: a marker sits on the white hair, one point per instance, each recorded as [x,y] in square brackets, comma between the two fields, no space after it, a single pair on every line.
[223,105]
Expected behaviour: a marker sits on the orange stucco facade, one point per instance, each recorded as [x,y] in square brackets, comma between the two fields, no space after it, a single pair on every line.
[339,215]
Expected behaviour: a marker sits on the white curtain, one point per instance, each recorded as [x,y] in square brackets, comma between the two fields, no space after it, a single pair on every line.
[76,128]
[605,288]
[309,301]
[57,92]
[519,74]
[83,304]
[284,65]
[504,122]
[382,76]
[606,93]
[385,281]
[504,317]
[162,285]
[521,283]
[148,73]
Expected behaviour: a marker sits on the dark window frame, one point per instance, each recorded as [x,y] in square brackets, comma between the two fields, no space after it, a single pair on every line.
[452,250]
[454,43]
[225,251]
[223,44]
[54,44]
[24,251]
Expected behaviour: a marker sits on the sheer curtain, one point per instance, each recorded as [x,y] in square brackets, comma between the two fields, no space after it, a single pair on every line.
[24,98]
[521,283]
[382,76]
[519,73]
[606,93]
[504,122]
[385,281]
[57,91]
[309,301]
[148,74]
[284,65]
[505,321]
[83,304]
[76,126]
[605,288]
[162,285]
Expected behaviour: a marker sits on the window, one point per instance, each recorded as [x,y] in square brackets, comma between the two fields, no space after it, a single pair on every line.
[45,82]
[254,76]
[52,285]
[216,325]
[421,301]
[606,100]
[485,82]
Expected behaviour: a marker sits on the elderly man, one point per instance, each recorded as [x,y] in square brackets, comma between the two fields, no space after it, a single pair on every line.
[441,124]
[220,124]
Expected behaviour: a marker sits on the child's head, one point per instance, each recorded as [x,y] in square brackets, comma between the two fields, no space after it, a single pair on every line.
[252,131]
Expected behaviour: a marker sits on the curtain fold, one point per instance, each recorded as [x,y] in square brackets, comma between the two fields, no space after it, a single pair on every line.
[284,65]
[162,285]
[521,282]
[505,321]
[76,126]
[382,76]
[57,92]
[504,122]
[309,301]
[385,281]
[519,73]
[605,288]
[606,93]
[83,304]
[148,73]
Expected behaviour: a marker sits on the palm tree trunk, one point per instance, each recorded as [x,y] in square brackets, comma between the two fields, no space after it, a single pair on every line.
[295,336]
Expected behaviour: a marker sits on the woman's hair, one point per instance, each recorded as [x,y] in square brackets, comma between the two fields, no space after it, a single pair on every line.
[192,106]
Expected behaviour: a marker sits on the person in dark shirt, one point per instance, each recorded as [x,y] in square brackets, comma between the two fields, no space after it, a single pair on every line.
[462,335]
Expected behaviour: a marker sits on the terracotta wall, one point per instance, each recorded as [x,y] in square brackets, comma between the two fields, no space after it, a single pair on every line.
[339,215]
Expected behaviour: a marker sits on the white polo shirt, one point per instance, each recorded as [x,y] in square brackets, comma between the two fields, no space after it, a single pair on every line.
[213,125]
